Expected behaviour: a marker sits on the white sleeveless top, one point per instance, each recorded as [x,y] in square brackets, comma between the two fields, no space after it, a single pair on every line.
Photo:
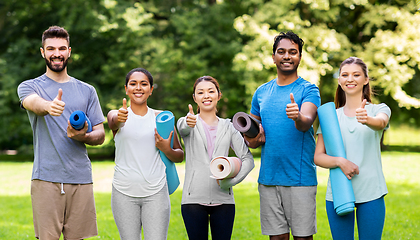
[139,170]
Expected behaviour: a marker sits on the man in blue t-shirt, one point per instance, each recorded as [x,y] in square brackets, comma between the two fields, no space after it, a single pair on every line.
[61,187]
[287,107]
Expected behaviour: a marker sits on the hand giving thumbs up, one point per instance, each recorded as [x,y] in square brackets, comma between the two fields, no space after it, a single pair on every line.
[361,113]
[191,117]
[292,109]
[56,107]
[123,112]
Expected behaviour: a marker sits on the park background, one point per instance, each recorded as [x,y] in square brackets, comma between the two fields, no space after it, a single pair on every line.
[231,40]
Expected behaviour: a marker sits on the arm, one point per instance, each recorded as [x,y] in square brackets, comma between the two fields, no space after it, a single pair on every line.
[95,137]
[305,117]
[257,140]
[183,128]
[378,122]
[117,118]
[187,123]
[243,153]
[42,107]
[323,160]
[175,154]
[112,118]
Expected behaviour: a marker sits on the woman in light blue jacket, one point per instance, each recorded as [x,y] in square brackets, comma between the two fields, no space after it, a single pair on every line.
[206,136]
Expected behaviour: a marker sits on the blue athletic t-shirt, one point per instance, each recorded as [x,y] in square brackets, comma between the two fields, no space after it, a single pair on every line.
[287,157]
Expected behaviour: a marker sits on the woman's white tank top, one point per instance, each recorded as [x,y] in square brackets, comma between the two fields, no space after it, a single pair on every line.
[139,170]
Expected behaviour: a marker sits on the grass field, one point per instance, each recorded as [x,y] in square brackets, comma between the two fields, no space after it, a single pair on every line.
[402,219]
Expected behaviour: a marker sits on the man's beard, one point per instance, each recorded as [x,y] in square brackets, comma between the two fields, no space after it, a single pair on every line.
[55,68]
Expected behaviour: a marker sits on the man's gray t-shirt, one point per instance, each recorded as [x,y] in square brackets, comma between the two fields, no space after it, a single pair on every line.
[59,158]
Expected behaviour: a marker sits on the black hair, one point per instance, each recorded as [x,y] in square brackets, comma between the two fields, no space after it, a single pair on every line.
[55,32]
[144,71]
[292,37]
[208,79]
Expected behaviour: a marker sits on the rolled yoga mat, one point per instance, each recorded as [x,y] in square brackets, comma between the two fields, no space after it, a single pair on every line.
[165,122]
[78,119]
[342,189]
[225,167]
[246,124]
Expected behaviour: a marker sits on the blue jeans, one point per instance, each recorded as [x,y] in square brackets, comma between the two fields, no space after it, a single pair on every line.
[370,221]
[197,217]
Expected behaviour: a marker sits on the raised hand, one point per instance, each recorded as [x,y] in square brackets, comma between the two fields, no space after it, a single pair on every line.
[292,109]
[191,117]
[56,107]
[123,112]
[361,113]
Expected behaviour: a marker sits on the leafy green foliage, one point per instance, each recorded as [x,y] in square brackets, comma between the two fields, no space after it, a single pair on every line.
[179,41]
[382,33]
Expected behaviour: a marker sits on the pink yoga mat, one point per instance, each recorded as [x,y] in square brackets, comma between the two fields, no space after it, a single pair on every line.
[246,124]
[225,167]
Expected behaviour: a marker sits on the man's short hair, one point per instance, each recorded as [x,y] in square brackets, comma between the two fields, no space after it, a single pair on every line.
[292,37]
[55,32]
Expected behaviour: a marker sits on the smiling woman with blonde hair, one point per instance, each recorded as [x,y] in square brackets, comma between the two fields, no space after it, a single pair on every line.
[362,124]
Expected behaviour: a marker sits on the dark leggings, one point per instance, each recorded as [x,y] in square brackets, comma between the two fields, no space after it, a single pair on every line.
[197,217]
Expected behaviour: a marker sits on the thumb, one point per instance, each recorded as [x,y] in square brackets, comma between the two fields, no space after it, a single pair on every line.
[124,103]
[363,103]
[292,98]
[60,93]
[191,109]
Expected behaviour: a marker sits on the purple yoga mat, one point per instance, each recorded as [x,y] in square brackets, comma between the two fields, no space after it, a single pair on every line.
[246,124]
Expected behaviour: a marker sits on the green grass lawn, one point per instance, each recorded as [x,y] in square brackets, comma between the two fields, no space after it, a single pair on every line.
[402,216]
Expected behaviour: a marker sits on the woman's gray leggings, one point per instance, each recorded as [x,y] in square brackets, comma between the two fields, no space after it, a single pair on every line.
[131,213]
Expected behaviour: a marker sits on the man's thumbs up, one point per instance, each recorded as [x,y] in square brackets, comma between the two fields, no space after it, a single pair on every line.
[60,94]
[292,98]
[191,117]
[57,105]
[292,109]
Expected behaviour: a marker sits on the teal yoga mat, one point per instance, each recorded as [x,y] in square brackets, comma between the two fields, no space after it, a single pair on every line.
[342,189]
[165,122]
[78,119]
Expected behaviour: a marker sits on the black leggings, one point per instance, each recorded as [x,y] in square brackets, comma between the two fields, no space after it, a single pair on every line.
[196,219]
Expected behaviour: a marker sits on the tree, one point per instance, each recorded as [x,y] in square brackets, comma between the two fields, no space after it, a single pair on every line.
[382,33]
[177,41]
[231,40]
[21,28]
